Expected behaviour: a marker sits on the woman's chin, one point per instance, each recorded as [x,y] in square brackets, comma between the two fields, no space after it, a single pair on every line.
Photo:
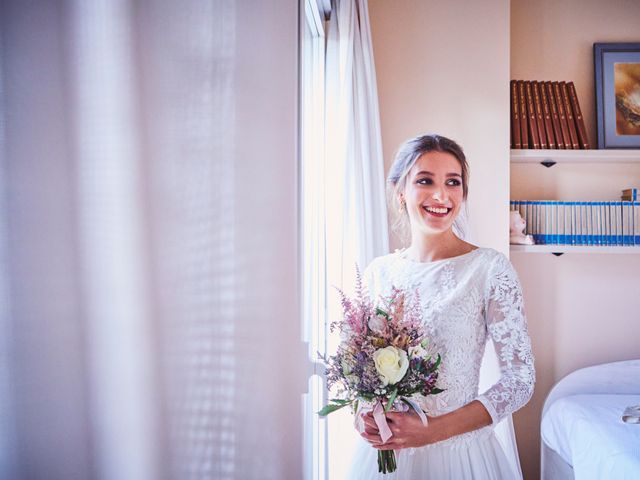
[433,229]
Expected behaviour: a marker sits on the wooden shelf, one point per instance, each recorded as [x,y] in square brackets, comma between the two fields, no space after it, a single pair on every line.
[576,156]
[575,249]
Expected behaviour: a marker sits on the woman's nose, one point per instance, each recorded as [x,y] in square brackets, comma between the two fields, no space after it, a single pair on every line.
[439,194]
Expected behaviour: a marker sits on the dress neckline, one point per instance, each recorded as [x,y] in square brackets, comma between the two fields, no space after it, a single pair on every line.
[401,256]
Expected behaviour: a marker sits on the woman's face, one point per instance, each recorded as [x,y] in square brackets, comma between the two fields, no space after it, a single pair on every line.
[433,192]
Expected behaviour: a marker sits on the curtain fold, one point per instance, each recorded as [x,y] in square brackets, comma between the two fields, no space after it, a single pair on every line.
[356,226]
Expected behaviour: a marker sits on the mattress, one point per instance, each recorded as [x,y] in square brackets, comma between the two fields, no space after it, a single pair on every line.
[588,433]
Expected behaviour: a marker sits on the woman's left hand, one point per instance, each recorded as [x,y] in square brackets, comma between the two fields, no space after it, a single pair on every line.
[407,428]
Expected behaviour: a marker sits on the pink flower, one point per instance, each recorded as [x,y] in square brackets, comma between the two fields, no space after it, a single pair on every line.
[378,324]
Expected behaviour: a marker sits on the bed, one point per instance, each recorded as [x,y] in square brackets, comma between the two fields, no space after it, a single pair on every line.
[583,435]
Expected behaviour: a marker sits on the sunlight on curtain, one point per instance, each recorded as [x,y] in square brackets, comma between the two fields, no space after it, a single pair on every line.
[111,220]
[189,114]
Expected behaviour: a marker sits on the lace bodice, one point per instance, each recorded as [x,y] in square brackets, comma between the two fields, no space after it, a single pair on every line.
[465,298]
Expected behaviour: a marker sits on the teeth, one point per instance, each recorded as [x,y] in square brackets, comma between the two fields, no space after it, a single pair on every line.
[436,210]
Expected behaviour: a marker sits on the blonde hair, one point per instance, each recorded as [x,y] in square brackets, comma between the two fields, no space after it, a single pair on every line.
[405,159]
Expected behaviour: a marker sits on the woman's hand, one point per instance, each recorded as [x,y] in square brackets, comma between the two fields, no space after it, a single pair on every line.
[409,432]
[407,428]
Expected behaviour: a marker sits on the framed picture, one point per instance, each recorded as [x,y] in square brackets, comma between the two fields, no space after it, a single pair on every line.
[617,69]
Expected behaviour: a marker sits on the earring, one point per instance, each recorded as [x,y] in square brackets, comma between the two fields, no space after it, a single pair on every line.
[403,206]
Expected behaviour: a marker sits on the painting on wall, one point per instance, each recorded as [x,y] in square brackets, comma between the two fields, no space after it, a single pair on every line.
[617,81]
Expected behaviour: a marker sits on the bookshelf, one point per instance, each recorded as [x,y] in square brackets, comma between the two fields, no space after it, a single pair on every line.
[574,249]
[549,158]
[575,156]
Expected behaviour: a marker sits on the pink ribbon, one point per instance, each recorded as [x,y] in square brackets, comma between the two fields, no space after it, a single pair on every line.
[418,410]
[381,422]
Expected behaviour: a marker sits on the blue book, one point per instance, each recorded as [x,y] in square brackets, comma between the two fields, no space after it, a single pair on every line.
[627,223]
[618,223]
[611,206]
[635,208]
[583,223]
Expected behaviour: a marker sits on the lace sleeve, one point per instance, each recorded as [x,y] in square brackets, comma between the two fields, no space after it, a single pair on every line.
[507,327]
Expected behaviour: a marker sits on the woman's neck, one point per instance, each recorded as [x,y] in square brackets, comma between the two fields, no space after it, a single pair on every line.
[438,246]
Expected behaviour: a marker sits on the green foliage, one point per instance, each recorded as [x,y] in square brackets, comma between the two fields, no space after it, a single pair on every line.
[332,407]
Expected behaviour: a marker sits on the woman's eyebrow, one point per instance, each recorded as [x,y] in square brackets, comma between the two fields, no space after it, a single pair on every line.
[425,172]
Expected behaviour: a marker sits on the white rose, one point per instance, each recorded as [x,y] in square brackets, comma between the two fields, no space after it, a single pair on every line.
[378,323]
[391,364]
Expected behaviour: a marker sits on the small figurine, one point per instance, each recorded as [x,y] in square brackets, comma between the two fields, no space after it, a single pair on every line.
[516,230]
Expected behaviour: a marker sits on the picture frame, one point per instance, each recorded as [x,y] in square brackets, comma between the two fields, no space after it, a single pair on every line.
[617,83]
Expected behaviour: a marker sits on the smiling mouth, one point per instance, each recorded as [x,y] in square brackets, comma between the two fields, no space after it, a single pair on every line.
[437,211]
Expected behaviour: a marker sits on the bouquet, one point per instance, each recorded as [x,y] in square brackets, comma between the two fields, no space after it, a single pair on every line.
[382,361]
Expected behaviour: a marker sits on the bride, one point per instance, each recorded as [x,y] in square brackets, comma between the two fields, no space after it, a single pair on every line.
[468,294]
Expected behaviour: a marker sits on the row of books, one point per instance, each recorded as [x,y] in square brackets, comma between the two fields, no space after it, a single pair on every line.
[546,115]
[552,222]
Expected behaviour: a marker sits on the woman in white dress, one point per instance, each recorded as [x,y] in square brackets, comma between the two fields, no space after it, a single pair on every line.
[469,294]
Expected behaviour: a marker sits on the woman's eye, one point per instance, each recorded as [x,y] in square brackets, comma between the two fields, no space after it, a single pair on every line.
[425,181]
[454,183]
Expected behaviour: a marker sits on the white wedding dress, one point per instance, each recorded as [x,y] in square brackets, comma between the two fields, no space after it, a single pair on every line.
[465,299]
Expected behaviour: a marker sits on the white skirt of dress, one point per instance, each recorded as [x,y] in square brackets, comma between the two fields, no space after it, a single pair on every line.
[478,457]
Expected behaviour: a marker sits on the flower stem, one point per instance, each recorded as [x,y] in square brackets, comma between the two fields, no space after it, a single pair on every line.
[387,461]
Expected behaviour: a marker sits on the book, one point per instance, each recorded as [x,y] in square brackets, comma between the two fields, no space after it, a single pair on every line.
[524,131]
[606,211]
[555,120]
[564,126]
[539,116]
[635,206]
[531,117]
[627,223]
[546,114]
[570,120]
[577,115]
[618,223]
[515,116]
[630,194]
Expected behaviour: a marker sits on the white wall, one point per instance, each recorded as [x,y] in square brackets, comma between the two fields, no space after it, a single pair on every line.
[440,69]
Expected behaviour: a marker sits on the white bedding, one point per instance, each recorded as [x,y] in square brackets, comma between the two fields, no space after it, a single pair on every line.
[582,421]
[588,433]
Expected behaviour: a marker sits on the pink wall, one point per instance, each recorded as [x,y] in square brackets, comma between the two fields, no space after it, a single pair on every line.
[553,40]
[582,308]
[439,69]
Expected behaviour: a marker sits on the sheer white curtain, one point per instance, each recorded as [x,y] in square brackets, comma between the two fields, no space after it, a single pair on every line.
[356,218]
[149,265]
[353,143]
